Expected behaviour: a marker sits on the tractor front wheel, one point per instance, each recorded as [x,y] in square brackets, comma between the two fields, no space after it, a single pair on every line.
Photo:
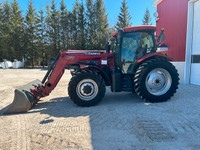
[156,80]
[86,88]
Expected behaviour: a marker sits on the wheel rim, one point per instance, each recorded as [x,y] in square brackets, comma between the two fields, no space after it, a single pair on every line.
[158,81]
[87,89]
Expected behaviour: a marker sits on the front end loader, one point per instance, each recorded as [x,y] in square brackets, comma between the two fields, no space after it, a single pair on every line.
[28,95]
[130,63]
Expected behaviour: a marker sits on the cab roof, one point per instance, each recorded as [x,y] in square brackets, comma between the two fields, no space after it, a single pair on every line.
[136,28]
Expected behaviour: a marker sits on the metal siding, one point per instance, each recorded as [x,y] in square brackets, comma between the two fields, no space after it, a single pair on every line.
[173,18]
[195,66]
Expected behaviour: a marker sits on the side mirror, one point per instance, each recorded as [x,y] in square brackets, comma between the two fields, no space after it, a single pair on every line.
[120,33]
[161,37]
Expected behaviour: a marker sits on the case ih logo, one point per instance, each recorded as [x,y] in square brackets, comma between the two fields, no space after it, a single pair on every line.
[93,53]
[70,57]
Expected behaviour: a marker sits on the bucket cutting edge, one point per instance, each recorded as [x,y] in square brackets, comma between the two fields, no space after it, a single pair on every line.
[23,99]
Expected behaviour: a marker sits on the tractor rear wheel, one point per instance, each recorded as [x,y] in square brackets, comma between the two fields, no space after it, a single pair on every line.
[156,80]
[86,88]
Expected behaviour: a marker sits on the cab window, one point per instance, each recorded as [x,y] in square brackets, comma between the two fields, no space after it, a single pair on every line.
[135,46]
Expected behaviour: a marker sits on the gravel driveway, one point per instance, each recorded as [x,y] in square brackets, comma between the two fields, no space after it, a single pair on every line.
[121,121]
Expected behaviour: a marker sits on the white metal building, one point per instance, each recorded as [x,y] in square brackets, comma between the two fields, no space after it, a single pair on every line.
[192,68]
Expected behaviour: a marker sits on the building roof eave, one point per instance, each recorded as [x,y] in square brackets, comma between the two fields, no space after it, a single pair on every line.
[156,2]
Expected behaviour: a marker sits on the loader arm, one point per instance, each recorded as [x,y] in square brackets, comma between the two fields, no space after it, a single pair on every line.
[29,94]
[63,61]
[51,78]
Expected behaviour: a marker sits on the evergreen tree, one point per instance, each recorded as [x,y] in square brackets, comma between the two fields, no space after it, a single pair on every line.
[70,30]
[147,18]
[47,21]
[53,16]
[90,16]
[124,17]
[81,27]
[31,28]
[1,39]
[16,32]
[49,47]
[75,15]
[7,51]
[101,24]
[41,36]
[64,26]
[36,35]
[1,15]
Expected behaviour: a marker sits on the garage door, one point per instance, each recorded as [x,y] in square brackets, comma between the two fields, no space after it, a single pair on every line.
[195,66]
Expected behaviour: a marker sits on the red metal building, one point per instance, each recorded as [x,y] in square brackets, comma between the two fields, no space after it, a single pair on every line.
[172,16]
[181,21]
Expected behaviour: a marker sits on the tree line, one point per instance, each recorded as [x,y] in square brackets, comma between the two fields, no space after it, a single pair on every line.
[40,35]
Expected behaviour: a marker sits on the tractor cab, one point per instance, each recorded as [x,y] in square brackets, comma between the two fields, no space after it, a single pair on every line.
[131,44]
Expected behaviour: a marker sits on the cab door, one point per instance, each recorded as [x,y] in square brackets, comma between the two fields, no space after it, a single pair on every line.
[134,46]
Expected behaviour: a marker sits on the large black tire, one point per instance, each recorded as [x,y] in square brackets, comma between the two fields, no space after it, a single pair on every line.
[156,80]
[86,88]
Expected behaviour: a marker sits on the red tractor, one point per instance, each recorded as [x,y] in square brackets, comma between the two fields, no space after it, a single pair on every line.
[130,64]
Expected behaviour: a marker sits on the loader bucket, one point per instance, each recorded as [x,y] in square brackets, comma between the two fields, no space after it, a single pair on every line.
[23,99]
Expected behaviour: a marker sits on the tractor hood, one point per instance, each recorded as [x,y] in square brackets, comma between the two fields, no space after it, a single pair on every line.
[85,57]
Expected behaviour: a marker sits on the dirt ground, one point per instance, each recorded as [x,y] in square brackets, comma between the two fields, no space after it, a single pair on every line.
[121,121]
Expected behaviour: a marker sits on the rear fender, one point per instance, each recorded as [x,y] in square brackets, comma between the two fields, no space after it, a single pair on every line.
[152,56]
[100,71]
